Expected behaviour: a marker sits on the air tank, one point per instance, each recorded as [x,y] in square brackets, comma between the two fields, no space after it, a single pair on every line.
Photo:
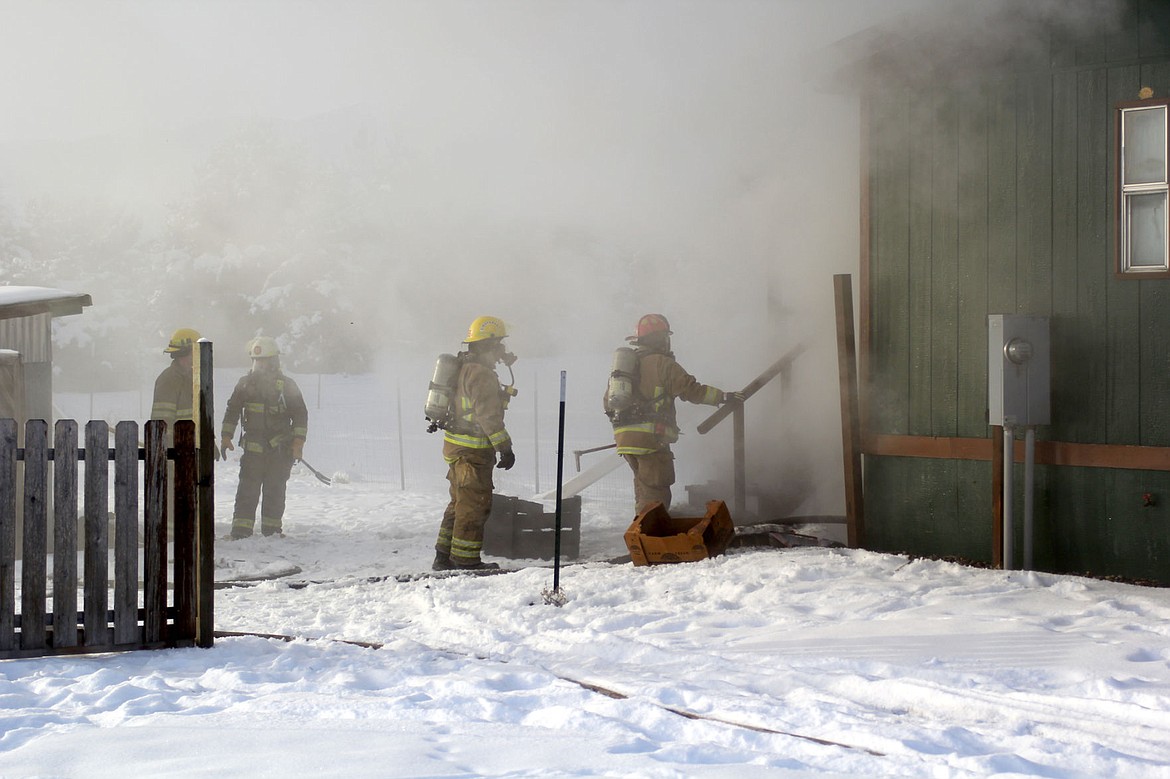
[622,376]
[442,391]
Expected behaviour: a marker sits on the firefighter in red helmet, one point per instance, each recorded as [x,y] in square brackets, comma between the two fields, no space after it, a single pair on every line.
[645,426]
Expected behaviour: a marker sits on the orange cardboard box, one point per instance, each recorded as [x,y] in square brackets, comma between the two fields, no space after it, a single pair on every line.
[656,537]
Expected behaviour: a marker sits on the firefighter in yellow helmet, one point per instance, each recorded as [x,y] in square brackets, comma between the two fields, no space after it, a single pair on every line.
[470,446]
[174,395]
[645,429]
[276,423]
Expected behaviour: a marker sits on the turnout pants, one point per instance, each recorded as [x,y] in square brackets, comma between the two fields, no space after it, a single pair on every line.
[461,532]
[653,477]
[261,474]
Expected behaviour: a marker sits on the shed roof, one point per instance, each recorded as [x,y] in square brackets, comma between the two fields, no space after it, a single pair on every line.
[27,301]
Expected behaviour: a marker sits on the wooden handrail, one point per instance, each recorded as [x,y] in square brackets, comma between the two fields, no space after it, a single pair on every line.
[777,368]
[736,410]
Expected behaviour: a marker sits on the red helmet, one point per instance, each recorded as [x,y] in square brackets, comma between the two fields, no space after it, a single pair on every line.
[652,323]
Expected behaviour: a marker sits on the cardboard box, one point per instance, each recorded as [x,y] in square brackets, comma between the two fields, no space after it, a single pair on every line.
[655,537]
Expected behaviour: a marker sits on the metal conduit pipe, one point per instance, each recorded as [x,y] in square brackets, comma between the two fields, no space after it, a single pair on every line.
[1029,469]
[1009,437]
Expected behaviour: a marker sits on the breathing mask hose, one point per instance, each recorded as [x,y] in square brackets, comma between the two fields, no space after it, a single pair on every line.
[509,389]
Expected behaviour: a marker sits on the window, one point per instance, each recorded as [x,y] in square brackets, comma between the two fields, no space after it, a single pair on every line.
[1143,230]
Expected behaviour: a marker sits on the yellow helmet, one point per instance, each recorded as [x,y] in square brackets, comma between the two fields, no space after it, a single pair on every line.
[183,338]
[262,346]
[486,327]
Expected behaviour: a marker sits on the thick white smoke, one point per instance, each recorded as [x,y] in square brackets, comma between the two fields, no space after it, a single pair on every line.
[566,166]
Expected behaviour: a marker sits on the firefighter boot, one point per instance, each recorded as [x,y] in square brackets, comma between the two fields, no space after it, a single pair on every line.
[442,561]
[478,565]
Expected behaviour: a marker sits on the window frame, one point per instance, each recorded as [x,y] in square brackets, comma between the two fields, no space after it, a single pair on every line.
[1121,218]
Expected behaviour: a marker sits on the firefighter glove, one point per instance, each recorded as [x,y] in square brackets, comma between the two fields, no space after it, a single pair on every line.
[226,446]
[733,397]
[298,448]
[507,459]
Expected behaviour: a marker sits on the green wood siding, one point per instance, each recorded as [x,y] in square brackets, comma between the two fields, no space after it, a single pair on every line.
[971,250]
[889,267]
[997,196]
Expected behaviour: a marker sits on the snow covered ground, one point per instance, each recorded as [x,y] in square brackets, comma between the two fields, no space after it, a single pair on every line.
[808,662]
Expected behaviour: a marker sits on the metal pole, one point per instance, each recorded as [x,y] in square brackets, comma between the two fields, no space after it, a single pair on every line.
[1009,438]
[536,431]
[1029,469]
[560,470]
[401,456]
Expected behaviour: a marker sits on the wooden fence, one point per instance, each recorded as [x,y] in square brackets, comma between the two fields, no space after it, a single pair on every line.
[140,616]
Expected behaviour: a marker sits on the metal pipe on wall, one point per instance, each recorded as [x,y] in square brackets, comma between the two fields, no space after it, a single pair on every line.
[1009,438]
[1029,469]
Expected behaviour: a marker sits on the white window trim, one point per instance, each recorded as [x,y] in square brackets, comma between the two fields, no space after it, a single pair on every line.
[1125,191]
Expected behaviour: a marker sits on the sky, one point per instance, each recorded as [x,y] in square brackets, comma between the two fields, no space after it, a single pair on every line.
[805,662]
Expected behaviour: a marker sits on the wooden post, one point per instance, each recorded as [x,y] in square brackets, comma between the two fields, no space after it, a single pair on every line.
[205,543]
[185,502]
[737,424]
[850,416]
[997,496]
[97,532]
[65,533]
[33,563]
[7,533]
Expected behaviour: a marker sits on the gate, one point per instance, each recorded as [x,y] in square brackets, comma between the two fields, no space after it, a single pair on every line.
[139,616]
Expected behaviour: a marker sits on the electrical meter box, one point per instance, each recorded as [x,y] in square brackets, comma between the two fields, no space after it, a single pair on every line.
[1018,370]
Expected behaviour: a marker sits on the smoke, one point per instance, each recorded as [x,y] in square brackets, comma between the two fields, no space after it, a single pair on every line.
[378,174]
[966,40]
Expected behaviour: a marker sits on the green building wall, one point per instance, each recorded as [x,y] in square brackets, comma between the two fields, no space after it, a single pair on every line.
[996,195]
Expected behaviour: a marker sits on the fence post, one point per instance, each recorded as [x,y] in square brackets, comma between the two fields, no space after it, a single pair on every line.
[536,432]
[205,544]
[7,533]
[184,524]
[401,451]
[65,534]
[739,450]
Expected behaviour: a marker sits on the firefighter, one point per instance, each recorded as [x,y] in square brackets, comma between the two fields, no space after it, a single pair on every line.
[174,395]
[645,429]
[471,444]
[275,421]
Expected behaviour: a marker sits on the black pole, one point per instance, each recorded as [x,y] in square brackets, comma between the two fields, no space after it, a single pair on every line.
[560,470]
